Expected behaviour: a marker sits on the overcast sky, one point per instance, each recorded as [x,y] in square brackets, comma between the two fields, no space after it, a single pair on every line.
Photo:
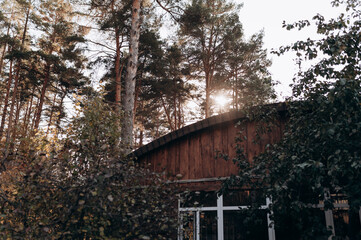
[268,15]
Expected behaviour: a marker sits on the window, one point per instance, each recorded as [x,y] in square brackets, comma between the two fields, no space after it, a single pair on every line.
[204,216]
[344,223]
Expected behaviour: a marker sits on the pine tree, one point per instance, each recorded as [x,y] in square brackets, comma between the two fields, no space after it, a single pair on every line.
[219,55]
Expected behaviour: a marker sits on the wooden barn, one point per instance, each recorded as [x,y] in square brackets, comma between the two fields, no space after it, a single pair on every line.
[187,157]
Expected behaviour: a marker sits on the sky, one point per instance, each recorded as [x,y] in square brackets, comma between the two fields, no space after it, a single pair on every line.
[268,15]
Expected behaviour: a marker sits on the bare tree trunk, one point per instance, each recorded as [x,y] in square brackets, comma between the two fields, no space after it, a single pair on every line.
[175,111]
[167,114]
[127,128]
[60,106]
[11,113]
[15,127]
[208,95]
[28,113]
[51,114]
[138,86]
[5,109]
[17,115]
[180,120]
[34,116]
[42,97]
[118,72]
[3,52]
[141,138]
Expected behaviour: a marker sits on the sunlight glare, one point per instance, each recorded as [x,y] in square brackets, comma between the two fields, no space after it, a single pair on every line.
[221,100]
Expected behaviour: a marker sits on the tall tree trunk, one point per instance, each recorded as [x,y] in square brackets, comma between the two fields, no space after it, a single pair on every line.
[118,72]
[34,117]
[15,92]
[208,95]
[237,101]
[175,111]
[11,114]
[60,106]
[42,97]
[45,83]
[28,113]
[127,128]
[4,51]
[138,86]
[15,127]
[51,114]
[167,114]
[180,120]
[5,109]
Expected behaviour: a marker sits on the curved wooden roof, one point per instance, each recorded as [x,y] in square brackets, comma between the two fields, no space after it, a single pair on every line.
[208,122]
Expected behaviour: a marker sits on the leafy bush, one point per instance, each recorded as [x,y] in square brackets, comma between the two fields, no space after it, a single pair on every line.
[320,152]
[86,190]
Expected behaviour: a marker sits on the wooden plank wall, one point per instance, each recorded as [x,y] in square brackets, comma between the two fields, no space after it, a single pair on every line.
[193,156]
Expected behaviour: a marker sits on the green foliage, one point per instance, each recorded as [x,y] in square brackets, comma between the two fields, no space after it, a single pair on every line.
[86,190]
[218,53]
[320,151]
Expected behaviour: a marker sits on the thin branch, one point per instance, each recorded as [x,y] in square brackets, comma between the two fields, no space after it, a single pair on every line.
[103,45]
[168,10]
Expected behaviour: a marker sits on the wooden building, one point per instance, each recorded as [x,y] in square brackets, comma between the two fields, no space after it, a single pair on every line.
[187,157]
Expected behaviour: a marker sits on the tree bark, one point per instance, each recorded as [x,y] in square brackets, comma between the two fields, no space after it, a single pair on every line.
[28,113]
[11,113]
[118,85]
[208,95]
[128,106]
[4,51]
[5,109]
[42,97]
[167,114]
[51,114]
[15,92]
[60,107]
[16,120]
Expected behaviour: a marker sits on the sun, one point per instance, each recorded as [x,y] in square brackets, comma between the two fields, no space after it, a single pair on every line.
[221,100]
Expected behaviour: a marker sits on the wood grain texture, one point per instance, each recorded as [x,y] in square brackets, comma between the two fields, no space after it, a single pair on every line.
[192,156]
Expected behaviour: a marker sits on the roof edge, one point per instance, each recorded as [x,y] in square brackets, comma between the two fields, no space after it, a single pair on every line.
[197,126]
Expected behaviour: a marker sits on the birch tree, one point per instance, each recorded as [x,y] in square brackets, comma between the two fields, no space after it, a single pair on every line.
[132,65]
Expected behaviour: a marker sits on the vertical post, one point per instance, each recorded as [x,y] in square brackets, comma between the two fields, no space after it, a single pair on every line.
[329,215]
[220,217]
[270,223]
[198,226]
[180,222]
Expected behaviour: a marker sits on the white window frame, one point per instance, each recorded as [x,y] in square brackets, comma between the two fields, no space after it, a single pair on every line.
[271,231]
[220,225]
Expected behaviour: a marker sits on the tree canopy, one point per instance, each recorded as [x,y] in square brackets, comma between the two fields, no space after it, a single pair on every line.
[319,156]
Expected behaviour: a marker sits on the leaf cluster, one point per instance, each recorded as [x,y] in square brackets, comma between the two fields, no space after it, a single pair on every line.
[320,151]
[87,189]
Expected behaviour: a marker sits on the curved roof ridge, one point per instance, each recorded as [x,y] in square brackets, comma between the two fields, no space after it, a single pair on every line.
[202,124]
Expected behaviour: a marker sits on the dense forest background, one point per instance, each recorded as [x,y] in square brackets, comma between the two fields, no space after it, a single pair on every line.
[58,53]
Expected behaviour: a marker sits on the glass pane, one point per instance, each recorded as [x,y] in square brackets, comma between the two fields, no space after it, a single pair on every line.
[188,225]
[199,199]
[347,224]
[243,225]
[243,198]
[339,198]
[208,223]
